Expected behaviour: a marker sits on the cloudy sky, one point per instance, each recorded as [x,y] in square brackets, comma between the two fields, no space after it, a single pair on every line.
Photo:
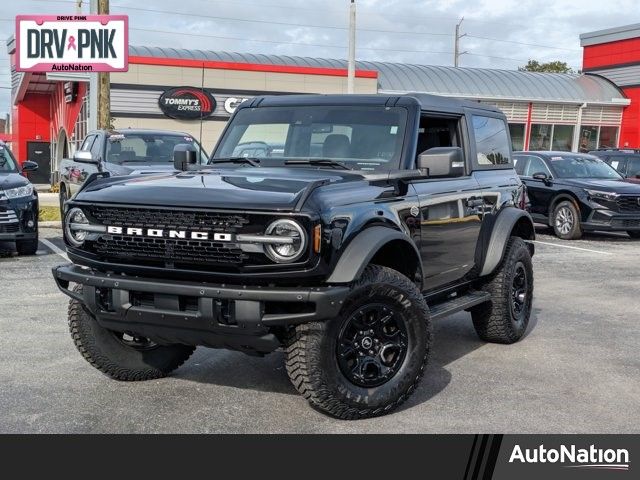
[499,33]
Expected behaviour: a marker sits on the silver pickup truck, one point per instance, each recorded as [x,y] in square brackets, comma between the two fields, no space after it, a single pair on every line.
[122,152]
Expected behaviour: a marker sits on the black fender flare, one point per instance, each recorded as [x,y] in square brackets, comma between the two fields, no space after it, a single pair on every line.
[502,228]
[362,249]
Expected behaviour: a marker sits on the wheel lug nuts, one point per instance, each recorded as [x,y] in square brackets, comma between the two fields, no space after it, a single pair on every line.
[370,352]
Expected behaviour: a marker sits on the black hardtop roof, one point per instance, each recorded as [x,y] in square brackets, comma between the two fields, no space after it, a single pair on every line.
[425,101]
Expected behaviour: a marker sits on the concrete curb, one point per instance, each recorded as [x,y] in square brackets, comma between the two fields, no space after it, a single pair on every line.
[52,224]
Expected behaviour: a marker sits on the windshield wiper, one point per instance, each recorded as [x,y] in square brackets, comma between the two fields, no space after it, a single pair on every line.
[253,161]
[322,162]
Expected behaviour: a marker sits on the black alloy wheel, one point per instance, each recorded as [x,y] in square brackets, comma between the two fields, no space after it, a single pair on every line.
[372,345]
[519,290]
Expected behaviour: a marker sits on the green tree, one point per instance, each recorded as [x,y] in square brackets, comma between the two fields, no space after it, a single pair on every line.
[550,67]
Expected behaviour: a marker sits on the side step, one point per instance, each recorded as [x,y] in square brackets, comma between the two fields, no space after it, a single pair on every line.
[457,304]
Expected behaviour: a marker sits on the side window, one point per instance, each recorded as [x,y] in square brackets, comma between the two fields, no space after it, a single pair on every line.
[520,164]
[492,142]
[88,142]
[536,165]
[96,150]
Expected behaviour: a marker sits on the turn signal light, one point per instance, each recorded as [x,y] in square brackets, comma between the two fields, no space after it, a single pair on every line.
[317,237]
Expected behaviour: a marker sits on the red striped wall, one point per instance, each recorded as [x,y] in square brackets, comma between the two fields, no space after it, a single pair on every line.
[612,53]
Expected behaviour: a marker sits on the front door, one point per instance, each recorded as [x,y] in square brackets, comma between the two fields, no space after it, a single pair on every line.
[451,213]
[40,152]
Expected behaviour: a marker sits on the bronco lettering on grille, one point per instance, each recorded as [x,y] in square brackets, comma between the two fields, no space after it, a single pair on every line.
[161,233]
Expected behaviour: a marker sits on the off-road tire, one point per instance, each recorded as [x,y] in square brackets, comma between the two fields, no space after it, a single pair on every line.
[104,351]
[494,321]
[567,207]
[27,247]
[634,233]
[63,199]
[311,358]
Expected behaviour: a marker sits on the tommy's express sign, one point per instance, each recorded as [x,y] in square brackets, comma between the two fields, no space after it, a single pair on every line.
[90,43]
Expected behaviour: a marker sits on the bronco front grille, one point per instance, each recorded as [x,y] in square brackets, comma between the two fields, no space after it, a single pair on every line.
[143,217]
[171,252]
[629,203]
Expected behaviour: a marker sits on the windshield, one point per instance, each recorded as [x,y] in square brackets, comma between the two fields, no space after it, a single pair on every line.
[147,147]
[7,162]
[582,166]
[361,138]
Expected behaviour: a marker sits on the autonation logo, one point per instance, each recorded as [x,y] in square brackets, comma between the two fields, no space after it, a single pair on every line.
[574,457]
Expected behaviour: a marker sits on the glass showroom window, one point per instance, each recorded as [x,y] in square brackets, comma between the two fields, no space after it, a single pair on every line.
[588,138]
[562,138]
[517,136]
[608,137]
[540,137]
[551,137]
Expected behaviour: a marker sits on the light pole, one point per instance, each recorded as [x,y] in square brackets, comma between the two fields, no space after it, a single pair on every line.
[351,69]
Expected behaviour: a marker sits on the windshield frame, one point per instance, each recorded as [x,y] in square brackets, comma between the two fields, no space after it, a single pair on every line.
[566,156]
[204,157]
[353,163]
[11,160]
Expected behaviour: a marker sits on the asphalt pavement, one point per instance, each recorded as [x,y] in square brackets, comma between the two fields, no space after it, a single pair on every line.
[577,370]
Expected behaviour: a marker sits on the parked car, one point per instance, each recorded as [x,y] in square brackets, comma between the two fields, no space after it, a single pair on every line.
[18,203]
[361,220]
[625,161]
[121,152]
[576,192]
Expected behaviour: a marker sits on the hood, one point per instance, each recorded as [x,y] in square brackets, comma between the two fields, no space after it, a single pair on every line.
[226,188]
[617,186]
[12,180]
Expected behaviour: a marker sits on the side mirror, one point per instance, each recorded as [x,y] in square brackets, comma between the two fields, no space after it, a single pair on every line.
[185,157]
[442,162]
[29,166]
[541,176]
[84,156]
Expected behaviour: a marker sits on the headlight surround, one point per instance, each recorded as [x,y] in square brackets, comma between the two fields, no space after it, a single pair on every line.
[286,252]
[18,192]
[74,218]
[600,195]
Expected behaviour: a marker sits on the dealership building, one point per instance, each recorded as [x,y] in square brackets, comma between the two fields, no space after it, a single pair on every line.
[599,108]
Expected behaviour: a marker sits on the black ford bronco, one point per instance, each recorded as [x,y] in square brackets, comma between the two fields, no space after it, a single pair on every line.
[335,228]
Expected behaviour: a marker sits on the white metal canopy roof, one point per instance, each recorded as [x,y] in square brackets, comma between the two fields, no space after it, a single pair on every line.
[478,83]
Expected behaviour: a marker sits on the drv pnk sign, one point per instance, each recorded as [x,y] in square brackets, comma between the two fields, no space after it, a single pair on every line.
[72,43]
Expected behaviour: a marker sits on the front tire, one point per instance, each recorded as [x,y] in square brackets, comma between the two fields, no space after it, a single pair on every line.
[121,356]
[504,319]
[370,359]
[566,221]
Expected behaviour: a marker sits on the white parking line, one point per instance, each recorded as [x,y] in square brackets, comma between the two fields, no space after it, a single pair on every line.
[572,248]
[55,249]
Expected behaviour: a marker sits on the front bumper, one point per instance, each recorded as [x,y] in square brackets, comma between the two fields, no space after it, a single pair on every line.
[19,219]
[238,317]
[607,220]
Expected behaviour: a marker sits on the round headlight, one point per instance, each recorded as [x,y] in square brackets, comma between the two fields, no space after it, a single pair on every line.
[74,221]
[294,241]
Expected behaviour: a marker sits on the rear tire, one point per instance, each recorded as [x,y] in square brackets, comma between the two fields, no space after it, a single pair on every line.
[633,233]
[504,319]
[566,221]
[368,360]
[118,357]
[27,247]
